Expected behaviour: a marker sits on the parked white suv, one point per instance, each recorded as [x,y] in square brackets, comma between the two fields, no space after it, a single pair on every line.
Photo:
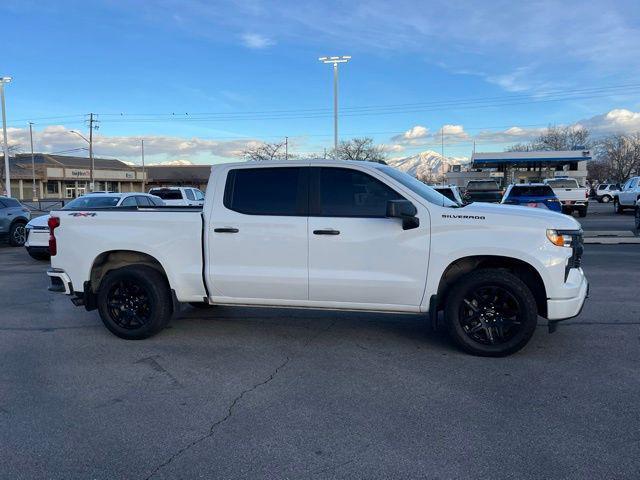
[179,196]
[628,195]
[37,230]
[330,235]
[605,192]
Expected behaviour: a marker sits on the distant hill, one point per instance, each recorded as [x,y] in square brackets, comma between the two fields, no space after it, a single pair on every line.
[425,165]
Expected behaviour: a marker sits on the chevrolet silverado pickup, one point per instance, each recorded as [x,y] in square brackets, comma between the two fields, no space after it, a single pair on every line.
[325,235]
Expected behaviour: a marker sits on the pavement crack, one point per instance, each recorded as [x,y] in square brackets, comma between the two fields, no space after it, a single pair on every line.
[229,414]
[232,406]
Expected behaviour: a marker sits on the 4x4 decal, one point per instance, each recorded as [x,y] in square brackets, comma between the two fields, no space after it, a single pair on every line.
[82,214]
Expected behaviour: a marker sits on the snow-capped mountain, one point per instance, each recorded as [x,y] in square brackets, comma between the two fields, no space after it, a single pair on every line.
[425,165]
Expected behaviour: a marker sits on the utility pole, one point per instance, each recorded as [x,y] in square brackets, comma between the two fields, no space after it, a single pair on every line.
[286,148]
[33,164]
[335,61]
[143,174]
[91,184]
[5,145]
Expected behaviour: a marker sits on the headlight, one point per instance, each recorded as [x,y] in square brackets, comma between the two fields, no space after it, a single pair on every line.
[558,239]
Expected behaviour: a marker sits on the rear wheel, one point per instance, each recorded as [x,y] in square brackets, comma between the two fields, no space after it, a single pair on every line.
[582,212]
[638,217]
[606,199]
[17,234]
[134,302]
[491,313]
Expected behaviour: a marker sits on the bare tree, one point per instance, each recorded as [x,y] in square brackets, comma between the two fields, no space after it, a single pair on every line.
[556,138]
[265,152]
[361,149]
[598,170]
[621,154]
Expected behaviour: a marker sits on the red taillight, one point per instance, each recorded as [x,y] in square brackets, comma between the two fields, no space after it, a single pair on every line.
[53,222]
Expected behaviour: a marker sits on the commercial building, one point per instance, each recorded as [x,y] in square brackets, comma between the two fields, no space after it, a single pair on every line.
[522,167]
[64,177]
[178,175]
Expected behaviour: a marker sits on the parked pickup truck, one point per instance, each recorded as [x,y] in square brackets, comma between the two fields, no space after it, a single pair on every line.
[329,235]
[482,191]
[572,196]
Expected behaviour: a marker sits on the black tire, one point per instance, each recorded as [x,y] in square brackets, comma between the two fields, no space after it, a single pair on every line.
[617,207]
[501,326]
[201,305]
[135,302]
[605,199]
[38,255]
[582,212]
[637,218]
[17,234]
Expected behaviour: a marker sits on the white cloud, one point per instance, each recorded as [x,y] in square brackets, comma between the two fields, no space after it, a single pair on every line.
[157,147]
[413,136]
[619,120]
[256,41]
[392,147]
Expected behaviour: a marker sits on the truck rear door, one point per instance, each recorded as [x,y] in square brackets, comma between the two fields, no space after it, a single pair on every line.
[258,235]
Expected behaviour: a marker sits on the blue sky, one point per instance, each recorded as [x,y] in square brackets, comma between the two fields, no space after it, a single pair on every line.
[234,73]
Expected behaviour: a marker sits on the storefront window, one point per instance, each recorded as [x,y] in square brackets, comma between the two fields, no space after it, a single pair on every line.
[52,187]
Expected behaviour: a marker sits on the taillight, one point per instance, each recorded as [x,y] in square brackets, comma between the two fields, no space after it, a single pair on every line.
[586,193]
[53,222]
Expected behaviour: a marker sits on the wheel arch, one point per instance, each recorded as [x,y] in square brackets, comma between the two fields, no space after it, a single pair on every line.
[523,270]
[113,259]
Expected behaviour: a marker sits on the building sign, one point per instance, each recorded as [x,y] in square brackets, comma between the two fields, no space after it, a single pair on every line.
[496,174]
[77,173]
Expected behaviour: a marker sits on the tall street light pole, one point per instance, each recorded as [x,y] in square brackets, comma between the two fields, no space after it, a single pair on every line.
[335,61]
[33,164]
[5,144]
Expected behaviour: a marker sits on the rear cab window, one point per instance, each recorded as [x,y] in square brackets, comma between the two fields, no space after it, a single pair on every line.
[531,191]
[277,191]
[563,183]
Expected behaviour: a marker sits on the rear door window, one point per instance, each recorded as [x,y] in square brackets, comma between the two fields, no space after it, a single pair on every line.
[143,201]
[281,191]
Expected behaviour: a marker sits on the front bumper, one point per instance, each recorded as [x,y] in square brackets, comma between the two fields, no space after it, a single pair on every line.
[37,238]
[564,308]
[60,281]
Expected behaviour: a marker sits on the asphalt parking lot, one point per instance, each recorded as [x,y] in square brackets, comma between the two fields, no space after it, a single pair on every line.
[268,393]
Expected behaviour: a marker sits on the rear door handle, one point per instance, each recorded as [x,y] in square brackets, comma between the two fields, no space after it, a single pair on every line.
[226,230]
[328,231]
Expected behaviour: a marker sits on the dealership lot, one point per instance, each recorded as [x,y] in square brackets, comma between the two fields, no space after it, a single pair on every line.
[270,393]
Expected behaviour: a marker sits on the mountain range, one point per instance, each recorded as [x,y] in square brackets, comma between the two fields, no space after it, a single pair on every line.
[426,165]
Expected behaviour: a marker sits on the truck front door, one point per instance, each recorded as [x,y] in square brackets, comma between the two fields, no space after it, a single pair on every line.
[356,254]
[258,247]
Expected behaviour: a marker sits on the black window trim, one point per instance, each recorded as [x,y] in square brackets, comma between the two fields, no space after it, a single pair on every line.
[302,202]
[314,192]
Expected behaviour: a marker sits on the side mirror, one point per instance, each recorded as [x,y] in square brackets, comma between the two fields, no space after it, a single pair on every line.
[404,210]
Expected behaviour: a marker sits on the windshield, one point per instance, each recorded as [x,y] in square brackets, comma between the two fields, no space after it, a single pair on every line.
[416,186]
[92,202]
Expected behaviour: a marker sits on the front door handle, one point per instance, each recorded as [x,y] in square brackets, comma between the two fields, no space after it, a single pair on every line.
[226,230]
[328,231]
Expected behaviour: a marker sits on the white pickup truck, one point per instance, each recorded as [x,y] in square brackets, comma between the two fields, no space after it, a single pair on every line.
[330,235]
[572,196]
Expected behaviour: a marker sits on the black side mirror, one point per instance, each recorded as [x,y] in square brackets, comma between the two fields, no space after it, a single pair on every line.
[404,210]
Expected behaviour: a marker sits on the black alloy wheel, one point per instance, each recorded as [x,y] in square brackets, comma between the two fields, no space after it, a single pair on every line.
[491,312]
[490,315]
[129,305]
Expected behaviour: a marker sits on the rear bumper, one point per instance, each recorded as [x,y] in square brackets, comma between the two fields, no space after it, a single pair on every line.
[37,238]
[60,281]
[565,308]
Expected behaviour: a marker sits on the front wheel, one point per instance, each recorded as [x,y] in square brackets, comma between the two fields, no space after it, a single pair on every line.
[134,302]
[606,199]
[17,234]
[491,313]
